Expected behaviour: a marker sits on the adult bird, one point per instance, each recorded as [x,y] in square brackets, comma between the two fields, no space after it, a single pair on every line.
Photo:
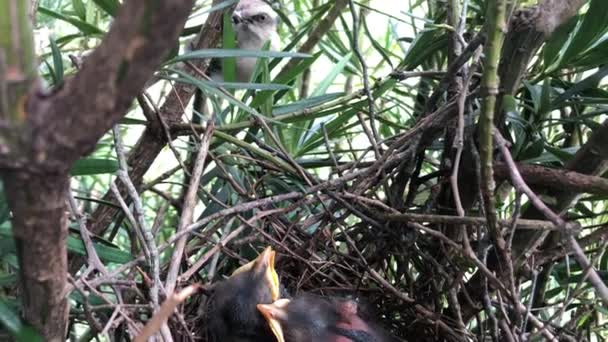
[315,319]
[231,314]
[255,24]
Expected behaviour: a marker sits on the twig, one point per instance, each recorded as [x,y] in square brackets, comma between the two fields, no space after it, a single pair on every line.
[467,220]
[93,258]
[565,227]
[138,211]
[374,138]
[165,311]
[188,209]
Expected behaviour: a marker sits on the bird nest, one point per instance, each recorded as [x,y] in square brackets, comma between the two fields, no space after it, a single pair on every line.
[365,265]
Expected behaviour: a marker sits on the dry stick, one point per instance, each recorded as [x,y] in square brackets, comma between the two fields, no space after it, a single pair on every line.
[467,220]
[149,144]
[93,258]
[330,150]
[487,303]
[287,250]
[107,301]
[161,178]
[374,137]
[579,286]
[165,127]
[223,242]
[453,70]
[459,142]
[522,328]
[210,253]
[559,179]
[94,324]
[468,253]
[138,212]
[113,318]
[166,310]
[228,176]
[564,227]
[148,238]
[125,208]
[188,209]
[386,161]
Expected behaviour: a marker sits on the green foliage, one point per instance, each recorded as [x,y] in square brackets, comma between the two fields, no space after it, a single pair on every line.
[11,322]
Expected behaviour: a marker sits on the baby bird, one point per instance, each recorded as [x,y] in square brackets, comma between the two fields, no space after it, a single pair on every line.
[231,314]
[314,319]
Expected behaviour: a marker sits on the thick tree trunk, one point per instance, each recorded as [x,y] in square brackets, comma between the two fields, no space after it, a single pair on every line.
[42,135]
[37,203]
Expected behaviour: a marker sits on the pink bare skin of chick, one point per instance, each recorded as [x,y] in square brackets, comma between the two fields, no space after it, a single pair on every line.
[350,320]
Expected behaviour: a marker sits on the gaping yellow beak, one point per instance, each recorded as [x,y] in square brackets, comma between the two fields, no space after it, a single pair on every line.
[273,313]
[264,263]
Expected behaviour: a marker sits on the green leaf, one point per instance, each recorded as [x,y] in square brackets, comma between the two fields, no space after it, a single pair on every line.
[106,253]
[424,46]
[8,280]
[285,78]
[92,298]
[57,63]
[305,104]
[545,99]
[225,53]
[79,9]
[230,85]
[94,166]
[558,42]
[83,26]
[7,245]
[205,87]
[593,57]
[563,155]
[12,323]
[589,82]
[549,157]
[131,121]
[593,26]
[331,76]
[229,42]
[108,6]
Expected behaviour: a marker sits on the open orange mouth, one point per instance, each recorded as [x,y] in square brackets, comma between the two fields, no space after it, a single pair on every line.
[274,313]
[264,263]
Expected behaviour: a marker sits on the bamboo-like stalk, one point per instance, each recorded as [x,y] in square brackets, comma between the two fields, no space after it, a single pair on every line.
[17,59]
[495,28]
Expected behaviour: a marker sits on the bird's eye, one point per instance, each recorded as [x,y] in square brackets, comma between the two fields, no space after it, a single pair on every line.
[261,17]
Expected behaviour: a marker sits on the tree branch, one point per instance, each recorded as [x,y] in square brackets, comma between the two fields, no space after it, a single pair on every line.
[556,179]
[43,135]
[70,123]
[152,141]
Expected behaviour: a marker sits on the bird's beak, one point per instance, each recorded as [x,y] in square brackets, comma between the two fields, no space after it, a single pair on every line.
[264,263]
[236,17]
[273,313]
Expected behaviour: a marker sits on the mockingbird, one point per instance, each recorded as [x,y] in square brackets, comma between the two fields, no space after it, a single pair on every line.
[255,24]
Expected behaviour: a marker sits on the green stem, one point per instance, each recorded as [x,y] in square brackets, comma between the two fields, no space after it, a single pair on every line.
[17,59]
[496,13]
